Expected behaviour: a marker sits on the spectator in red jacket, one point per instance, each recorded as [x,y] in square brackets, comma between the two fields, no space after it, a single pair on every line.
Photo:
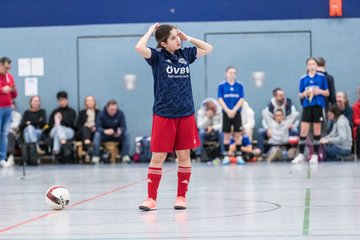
[7,94]
[356,120]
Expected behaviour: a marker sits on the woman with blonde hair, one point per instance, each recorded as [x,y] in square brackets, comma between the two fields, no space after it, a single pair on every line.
[85,124]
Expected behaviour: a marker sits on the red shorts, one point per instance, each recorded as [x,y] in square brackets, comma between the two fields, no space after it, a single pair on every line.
[169,134]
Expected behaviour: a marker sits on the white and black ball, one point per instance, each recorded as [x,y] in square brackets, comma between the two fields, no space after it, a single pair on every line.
[57,197]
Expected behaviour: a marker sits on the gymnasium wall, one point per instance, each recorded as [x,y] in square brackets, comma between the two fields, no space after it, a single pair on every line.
[92,59]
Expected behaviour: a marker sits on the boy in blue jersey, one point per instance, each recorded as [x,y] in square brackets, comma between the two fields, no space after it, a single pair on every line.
[313,90]
[231,99]
[174,126]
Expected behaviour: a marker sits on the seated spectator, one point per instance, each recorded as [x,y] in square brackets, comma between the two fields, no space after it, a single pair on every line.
[278,101]
[111,127]
[33,122]
[13,135]
[248,119]
[62,122]
[86,123]
[342,102]
[339,141]
[356,121]
[209,123]
[345,109]
[249,154]
[278,132]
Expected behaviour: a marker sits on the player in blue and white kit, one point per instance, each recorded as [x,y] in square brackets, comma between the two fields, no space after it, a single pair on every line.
[312,91]
[174,126]
[231,99]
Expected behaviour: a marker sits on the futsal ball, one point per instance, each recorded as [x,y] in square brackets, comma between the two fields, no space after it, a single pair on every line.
[57,197]
[293,140]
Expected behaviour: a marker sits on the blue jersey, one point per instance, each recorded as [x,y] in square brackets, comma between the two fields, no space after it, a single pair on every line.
[308,83]
[172,82]
[231,94]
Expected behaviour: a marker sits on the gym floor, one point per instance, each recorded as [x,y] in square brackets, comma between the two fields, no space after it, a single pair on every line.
[255,201]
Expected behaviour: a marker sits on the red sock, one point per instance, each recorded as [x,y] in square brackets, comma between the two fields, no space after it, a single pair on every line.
[184,174]
[154,177]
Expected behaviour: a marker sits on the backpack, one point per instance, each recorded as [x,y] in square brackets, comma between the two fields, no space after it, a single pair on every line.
[67,153]
[310,150]
[29,154]
[142,149]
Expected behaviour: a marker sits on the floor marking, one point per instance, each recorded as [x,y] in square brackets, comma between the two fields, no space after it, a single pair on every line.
[76,204]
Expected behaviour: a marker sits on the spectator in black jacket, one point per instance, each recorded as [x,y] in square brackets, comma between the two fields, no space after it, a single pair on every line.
[330,81]
[62,122]
[111,126]
[33,122]
[86,122]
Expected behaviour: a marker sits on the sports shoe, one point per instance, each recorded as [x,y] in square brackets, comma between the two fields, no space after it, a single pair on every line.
[216,161]
[10,161]
[313,159]
[126,159]
[148,205]
[298,159]
[3,164]
[95,159]
[226,160]
[240,160]
[180,203]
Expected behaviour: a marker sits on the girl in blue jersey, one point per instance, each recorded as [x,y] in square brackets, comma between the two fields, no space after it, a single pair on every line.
[313,90]
[174,126]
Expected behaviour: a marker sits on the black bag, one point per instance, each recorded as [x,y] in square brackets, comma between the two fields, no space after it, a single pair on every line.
[142,151]
[67,153]
[105,155]
[29,154]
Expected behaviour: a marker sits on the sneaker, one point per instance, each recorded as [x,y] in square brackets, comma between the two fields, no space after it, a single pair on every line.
[226,160]
[95,159]
[298,159]
[10,161]
[3,164]
[314,159]
[126,159]
[240,160]
[148,205]
[180,203]
[216,161]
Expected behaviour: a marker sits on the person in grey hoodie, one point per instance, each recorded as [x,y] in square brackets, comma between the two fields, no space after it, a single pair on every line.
[209,121]
[339,141]
[278,133]
[278,101]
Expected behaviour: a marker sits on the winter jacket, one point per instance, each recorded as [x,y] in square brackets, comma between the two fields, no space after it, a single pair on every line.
[202,119]
[288,109]
[105,121]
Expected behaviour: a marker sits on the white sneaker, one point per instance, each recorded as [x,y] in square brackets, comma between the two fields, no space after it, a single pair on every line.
[10,161]
[226,160]
[314,159]
[3,164]
[126,159]
[95,159]
[298,159]
[240,160]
